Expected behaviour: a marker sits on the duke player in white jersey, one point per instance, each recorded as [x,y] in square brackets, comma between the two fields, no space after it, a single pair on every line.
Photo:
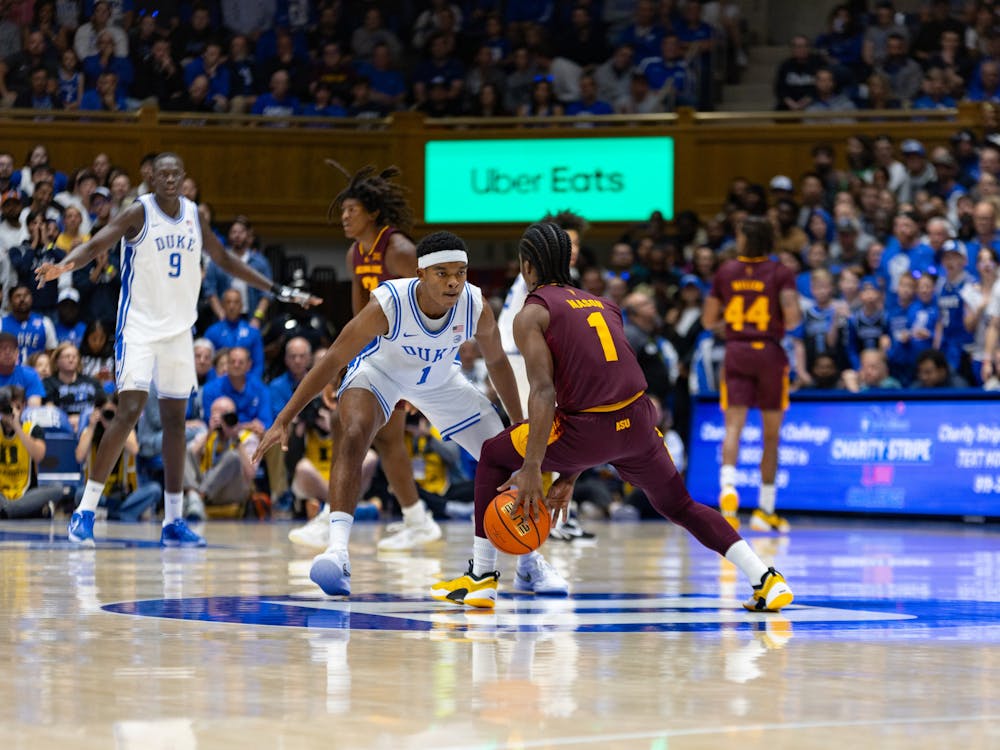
[161,278]
[402,346]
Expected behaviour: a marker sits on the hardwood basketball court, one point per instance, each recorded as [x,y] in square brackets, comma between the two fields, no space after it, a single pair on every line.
[892,643]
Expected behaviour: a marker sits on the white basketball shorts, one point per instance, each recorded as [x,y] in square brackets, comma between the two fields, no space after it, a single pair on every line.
[455,407]
[169,363]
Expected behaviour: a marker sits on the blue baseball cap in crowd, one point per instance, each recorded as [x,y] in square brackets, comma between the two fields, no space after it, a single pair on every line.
[689,279]
[868,281]
[912,146]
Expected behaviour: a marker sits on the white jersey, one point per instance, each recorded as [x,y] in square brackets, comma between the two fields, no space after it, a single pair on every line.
[512,305]
[161,274]
[413,353]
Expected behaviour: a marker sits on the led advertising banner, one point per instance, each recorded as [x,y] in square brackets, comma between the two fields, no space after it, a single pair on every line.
[496,181]
[922,456]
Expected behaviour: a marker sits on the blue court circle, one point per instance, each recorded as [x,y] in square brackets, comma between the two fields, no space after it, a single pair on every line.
[584,613]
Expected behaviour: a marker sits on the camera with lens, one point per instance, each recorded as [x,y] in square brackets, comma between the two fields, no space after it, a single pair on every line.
[6,396]
[230,419]
[108,414]
[310,416]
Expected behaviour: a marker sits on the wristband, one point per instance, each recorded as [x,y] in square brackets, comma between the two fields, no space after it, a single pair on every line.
[284,293]
[798,332]
[258,314]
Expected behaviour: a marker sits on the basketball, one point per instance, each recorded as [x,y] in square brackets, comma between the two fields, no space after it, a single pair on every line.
[514,534]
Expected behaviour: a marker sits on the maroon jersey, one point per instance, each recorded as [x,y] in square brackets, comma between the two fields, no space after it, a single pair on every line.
[369,264]
[593,365]
[750,289]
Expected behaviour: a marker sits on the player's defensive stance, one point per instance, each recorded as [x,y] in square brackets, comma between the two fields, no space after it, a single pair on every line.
[577,355]
[403,345]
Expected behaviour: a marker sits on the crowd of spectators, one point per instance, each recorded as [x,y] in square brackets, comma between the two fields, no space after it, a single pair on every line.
[896,260]
[337,58]
[895,254]
[890,60]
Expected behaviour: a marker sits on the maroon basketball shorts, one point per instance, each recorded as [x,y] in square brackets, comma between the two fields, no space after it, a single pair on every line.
[754,374]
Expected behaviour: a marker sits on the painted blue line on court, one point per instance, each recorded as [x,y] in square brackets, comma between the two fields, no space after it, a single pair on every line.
[829,619]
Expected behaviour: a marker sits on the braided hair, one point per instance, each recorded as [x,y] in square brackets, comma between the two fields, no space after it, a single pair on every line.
[547,247]
[379,196]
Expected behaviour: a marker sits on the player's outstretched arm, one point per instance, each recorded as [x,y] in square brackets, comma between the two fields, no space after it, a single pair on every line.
[366,325]
[529,334]
[497,364]
[128,223]
[236,267]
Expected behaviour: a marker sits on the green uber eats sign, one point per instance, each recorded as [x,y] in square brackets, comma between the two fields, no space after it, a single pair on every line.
[602,179]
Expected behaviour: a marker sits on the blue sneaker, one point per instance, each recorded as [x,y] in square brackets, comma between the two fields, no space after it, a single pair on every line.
[331,571]
[81,528]
[178,534]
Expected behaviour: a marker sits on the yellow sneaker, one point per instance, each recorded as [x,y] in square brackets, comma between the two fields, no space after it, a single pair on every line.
[761,521]
[729,504]
[771,594]
[469,589]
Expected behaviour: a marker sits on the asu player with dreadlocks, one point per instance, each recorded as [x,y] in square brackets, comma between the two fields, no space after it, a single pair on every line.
[575,226]
[604,417]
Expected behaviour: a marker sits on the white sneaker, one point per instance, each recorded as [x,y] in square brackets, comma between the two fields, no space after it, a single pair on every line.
[315,534]
[331,571]
[409,536]
[535,574]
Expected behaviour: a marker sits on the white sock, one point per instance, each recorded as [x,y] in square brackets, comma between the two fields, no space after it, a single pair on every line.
[524,560]
[765,499]
[340,530]
[173,507]
[91,496]
[727,476]
[416,514]
[743,557]
[484,556]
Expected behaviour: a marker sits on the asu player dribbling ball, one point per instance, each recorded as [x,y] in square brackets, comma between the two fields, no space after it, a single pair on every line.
[604,417]
[756,299]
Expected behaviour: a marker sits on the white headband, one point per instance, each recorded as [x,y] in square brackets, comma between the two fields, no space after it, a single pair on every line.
[442,256]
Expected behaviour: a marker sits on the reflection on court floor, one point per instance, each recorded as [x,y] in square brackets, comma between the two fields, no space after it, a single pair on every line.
[891,642]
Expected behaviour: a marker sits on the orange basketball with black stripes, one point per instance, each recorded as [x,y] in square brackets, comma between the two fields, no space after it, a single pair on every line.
[514,534]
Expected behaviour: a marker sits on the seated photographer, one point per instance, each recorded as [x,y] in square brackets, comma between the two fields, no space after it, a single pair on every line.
[68,388]
[125,499]
[218,469]
[437,468]
[22,447]
[311,480]
[252,401]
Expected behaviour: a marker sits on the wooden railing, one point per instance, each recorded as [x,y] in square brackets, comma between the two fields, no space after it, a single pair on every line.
[273,169]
